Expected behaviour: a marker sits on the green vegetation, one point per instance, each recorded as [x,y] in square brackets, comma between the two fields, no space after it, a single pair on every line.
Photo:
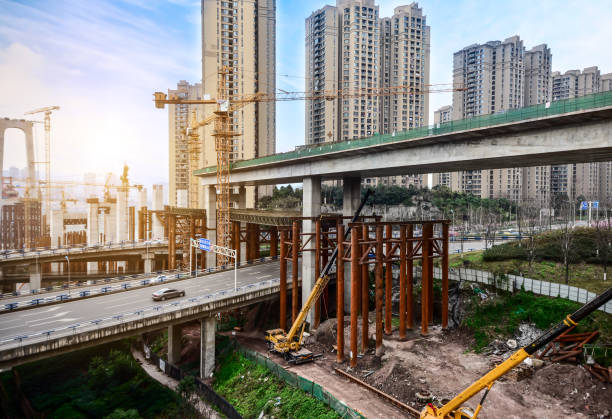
[586,269]
[501,316]
[100,382]
[284,197]
[252,388]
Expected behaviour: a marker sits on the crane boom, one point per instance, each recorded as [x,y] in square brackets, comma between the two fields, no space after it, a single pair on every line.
[452,409]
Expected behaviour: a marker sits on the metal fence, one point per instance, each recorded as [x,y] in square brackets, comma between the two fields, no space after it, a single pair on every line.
[204,389]
[302,383]
[516,282]
[560,107]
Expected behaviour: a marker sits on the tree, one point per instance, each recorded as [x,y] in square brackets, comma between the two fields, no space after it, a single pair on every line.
[530,214]
[567,237]
[603,234]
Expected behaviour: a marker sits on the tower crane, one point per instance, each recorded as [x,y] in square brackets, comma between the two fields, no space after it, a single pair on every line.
[223,130]
[47,111]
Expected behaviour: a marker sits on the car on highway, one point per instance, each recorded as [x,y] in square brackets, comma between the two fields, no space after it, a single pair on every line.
[166,293]
[159,278]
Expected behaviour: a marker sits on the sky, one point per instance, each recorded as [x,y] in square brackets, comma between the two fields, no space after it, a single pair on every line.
[101,61]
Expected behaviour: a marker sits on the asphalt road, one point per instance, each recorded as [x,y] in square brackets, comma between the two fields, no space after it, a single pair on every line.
[48,318]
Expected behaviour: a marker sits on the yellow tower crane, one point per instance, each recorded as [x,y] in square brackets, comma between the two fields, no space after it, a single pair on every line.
[47,111]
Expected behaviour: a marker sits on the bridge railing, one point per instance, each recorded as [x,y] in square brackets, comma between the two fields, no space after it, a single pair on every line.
[132,315]
[110,287]
[593,101]
[76,249]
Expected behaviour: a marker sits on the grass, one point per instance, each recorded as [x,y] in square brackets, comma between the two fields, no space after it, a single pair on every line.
[583,275]
[96,382]
[500,316]
[252,388]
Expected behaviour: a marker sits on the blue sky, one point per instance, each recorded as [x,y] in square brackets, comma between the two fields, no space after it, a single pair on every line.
[102,60]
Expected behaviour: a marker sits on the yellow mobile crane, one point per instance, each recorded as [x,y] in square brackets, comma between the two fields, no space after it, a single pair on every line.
[290,344]
[454,409]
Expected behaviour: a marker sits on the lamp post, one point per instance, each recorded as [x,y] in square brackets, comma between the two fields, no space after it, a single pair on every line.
[68,261]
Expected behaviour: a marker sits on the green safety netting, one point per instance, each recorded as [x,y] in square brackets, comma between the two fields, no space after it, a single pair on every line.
[302,383]
[593,101]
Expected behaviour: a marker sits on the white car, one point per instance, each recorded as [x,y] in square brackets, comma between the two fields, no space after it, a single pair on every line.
[166,293]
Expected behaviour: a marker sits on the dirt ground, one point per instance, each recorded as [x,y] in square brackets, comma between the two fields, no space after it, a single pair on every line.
[440,366]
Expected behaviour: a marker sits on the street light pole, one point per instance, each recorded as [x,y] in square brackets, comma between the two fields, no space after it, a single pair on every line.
[68,260]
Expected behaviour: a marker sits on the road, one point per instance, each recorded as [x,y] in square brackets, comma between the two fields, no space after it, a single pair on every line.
[43,319]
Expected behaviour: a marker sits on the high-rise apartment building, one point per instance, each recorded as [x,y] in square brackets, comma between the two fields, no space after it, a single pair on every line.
[605,82]
[443,114]
[574,83]
[538,66]
[349,48]
[181,184]
[493,76]
[241,35]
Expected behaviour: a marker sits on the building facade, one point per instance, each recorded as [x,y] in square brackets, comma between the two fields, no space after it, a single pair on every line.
[350,49]
[240,35]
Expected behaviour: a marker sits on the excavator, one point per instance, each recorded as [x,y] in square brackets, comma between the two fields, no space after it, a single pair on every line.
[290,345]
[454,409]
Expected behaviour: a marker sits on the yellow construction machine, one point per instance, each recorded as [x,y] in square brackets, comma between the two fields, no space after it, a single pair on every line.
[289,345]
[454,409]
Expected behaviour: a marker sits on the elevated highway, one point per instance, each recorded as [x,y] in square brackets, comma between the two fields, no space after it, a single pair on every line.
[46,331]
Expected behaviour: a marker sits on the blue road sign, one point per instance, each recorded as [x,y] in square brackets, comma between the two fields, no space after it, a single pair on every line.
[205,244]
[596,204]
[584,205]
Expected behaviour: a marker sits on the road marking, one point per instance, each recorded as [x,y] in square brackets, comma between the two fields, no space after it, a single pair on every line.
[49,322]
[263,276]
[12,327]
[55,316]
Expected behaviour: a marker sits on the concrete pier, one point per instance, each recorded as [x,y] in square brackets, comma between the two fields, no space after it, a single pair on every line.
[351,198]
[311,208]
[174,343]
[208,327]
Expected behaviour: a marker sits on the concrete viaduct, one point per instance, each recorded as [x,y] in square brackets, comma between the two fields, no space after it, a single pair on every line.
[564,132]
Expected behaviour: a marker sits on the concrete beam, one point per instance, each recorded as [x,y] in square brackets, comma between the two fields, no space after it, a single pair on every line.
[584,136]
[208,327]
[174,343]
[311,208]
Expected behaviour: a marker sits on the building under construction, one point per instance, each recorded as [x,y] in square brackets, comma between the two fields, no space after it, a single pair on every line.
[21,224]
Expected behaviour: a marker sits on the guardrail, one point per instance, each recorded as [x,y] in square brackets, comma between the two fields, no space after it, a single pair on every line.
[124,286]
[138,314]
[82,284]
[84,248]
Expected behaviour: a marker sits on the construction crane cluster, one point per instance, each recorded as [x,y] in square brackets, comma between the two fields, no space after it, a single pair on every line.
[224,134]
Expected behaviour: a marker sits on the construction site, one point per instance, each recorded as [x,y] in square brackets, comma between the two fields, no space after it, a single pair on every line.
[344,310]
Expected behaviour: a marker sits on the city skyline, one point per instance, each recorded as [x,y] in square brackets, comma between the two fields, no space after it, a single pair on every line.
[110,81]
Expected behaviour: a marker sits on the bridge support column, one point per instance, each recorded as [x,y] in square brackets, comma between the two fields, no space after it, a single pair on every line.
[35,277]
[351,198]
[208,327]
[311,208]
[149,263]
[210,204]
[174,343]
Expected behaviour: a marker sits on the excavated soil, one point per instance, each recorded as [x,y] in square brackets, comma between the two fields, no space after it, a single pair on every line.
[438,367]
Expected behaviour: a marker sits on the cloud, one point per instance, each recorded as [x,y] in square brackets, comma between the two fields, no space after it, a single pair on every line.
[100,62]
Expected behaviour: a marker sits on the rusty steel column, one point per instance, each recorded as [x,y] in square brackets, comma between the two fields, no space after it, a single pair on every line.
[365,292]
[317,250]
[273,242]
[171,222]
[379,288]
[409,278]
[324,260]
[256,241]
[355,297]
[430,280]
[340,293]
[142,216]
[402,284]
[295,248]
[236,238]
[249,241]
[425,278]
[444,275]
[283,280]
[388,280]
